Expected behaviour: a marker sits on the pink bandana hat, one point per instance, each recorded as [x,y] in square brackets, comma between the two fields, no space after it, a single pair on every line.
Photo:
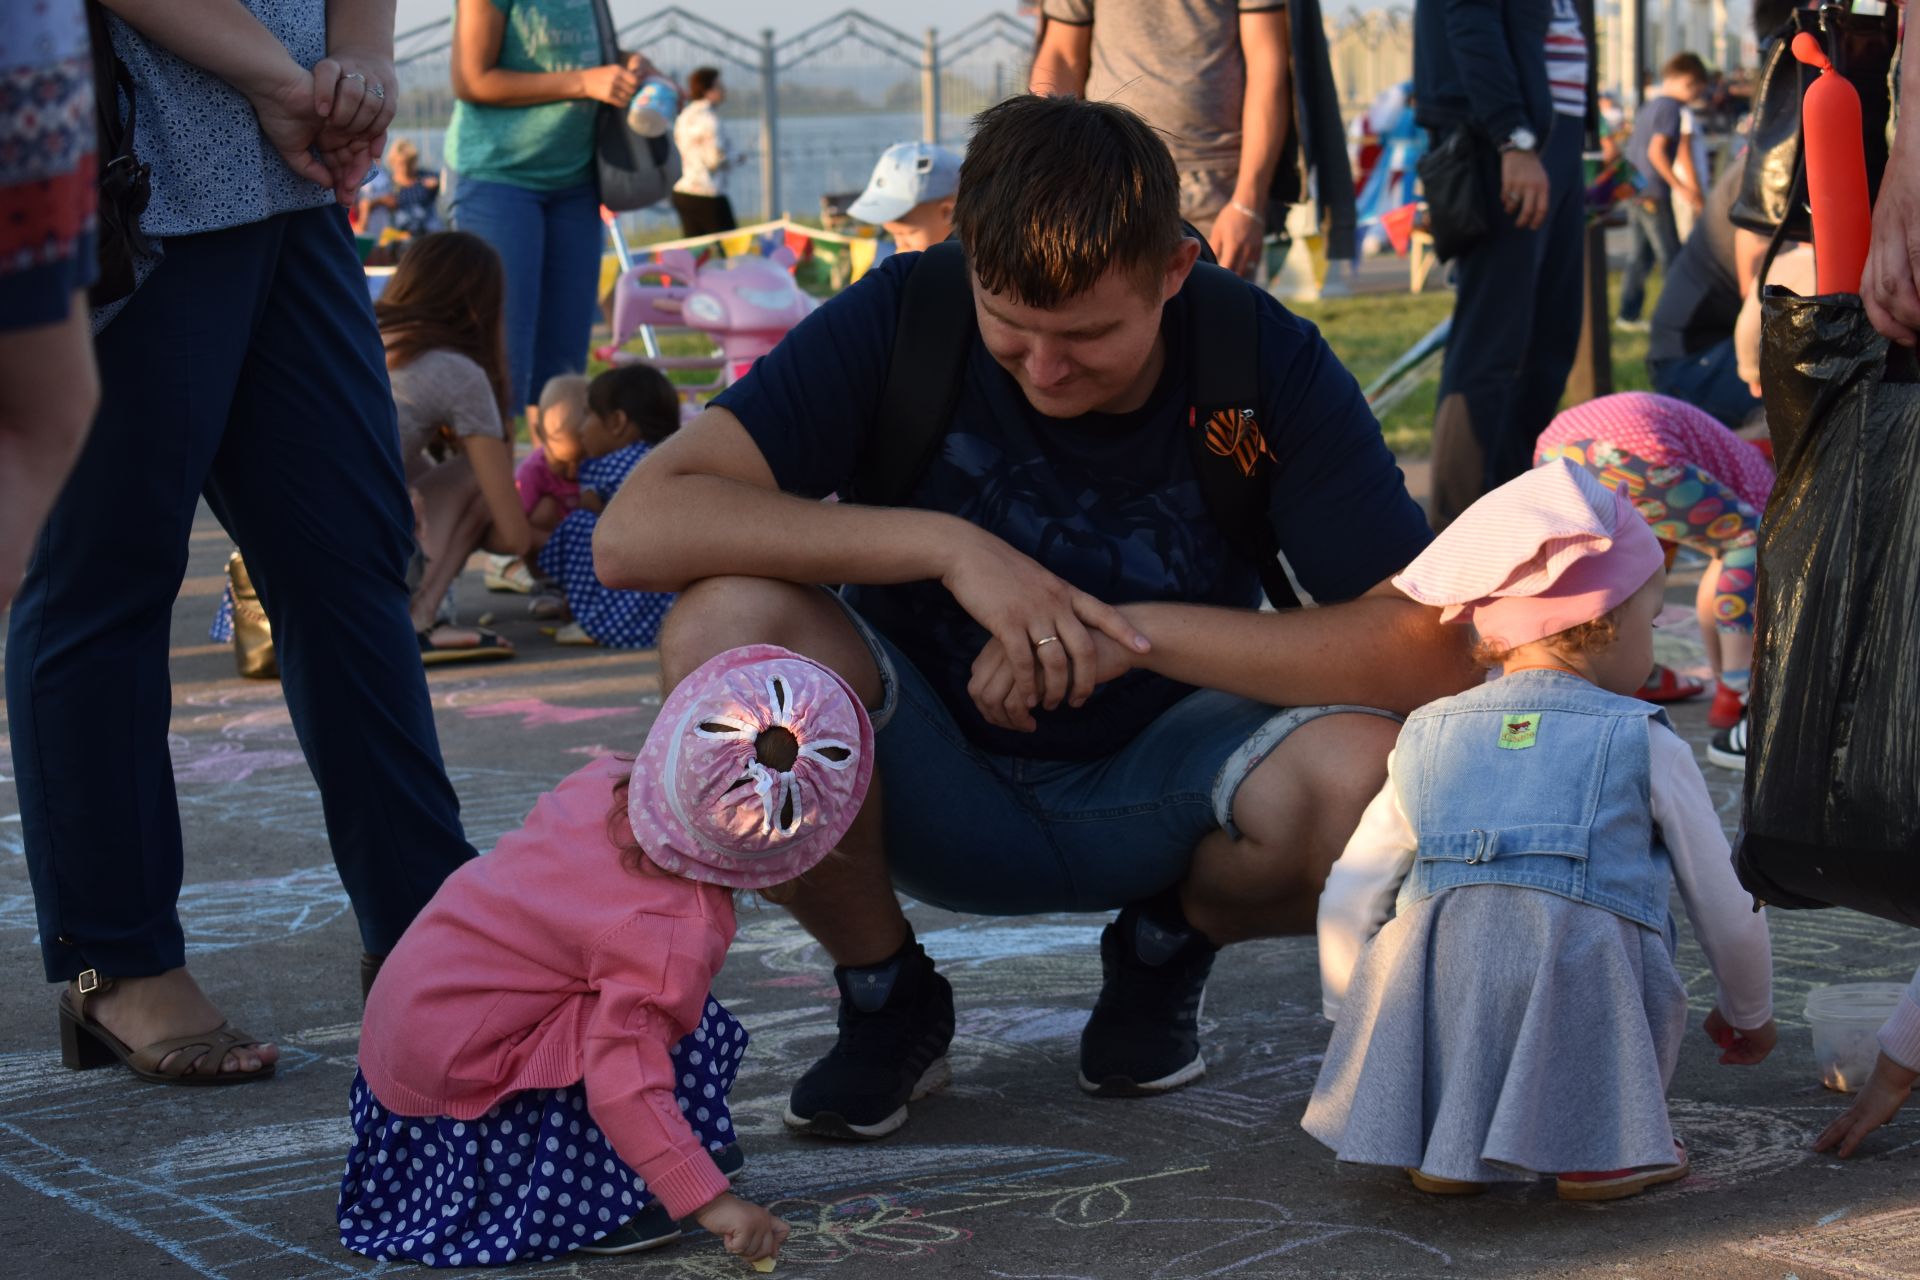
[702,804]
[1542,553]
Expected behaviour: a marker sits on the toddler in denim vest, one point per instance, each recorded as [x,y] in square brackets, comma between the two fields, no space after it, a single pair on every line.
[1495,943]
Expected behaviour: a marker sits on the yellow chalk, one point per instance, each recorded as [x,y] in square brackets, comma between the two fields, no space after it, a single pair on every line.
[762,1265]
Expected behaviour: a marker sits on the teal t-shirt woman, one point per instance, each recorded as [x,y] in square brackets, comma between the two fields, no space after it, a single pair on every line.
[529,76]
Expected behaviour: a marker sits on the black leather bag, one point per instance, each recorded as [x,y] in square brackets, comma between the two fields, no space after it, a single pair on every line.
[1453,178]
[1861,47]
[633,171]
[124,183]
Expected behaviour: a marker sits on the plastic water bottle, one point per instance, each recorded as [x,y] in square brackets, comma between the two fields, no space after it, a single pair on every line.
[652,111]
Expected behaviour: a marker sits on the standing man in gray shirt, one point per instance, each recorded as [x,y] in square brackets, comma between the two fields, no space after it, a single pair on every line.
[1211,75]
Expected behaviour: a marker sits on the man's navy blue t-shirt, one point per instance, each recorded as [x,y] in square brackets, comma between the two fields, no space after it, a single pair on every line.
[1109,502]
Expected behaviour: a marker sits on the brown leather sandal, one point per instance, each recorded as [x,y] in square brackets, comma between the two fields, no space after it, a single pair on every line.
[85,1044]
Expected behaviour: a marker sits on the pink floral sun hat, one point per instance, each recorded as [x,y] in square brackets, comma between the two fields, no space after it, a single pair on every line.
[702,803]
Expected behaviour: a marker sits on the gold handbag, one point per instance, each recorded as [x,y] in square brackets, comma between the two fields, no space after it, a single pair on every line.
[252,633]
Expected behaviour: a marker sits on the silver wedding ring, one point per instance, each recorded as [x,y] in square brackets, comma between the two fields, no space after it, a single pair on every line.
[1041,644]
[378,91]
[353,75]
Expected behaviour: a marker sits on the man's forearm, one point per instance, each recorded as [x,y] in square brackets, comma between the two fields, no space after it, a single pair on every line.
[1265,110]
[362,26]
[700,526]
[1379,651]
[219,36]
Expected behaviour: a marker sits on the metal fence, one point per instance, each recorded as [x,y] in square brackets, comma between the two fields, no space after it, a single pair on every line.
[806,114]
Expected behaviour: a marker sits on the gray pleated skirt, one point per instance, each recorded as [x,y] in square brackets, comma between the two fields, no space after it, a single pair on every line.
[1494,1034]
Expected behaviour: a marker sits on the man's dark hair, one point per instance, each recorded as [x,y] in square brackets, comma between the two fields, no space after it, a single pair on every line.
[1055,192]
[1685,64]
[702,79]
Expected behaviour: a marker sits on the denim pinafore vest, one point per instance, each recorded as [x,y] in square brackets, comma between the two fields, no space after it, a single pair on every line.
[1539,780]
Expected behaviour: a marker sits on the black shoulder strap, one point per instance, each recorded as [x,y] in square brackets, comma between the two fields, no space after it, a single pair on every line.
[1230,455]
[931,340]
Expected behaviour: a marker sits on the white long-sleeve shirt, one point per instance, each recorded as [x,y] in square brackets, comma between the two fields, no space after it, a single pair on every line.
[1364,883]
[703,151]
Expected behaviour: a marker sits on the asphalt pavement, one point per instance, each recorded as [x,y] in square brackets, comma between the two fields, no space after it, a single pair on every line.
[1011,1172]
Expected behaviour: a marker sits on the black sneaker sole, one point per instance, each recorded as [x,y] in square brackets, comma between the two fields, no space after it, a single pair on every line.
[831,1124]
[1127,1087]
[629,1245]
[1727,759]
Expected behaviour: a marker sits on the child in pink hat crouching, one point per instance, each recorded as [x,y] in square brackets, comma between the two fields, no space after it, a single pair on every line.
[1495,943]
[542,1067]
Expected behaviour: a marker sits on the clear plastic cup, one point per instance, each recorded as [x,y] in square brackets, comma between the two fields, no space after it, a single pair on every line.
[1846,1022]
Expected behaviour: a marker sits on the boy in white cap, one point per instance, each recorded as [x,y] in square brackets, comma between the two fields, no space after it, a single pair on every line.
[910,195]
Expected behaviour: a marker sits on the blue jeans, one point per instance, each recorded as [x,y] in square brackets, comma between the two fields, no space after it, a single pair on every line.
[1656,238]
[1708,380]
[247,368]
[1001,836]
[549,242]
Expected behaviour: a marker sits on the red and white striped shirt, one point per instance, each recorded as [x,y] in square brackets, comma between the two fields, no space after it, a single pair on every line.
[1567,60]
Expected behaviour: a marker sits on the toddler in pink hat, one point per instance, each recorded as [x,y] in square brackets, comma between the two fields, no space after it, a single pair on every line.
[1495,943]
[543,1069]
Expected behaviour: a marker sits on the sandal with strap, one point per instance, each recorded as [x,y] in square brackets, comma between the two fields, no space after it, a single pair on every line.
[85,1044]
[1665,685]
[493,647]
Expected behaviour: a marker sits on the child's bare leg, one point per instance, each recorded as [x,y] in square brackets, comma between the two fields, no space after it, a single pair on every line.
[1709,621]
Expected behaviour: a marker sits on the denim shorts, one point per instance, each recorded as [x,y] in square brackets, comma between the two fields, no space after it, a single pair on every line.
[997,835]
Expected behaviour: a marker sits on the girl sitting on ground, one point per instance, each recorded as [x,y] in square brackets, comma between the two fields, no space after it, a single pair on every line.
[547,479]
[1495,942]
[629,410]
[440,317]
[543,1069]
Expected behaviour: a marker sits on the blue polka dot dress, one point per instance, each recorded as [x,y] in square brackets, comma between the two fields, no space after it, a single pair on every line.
[616,619]
[531,1180]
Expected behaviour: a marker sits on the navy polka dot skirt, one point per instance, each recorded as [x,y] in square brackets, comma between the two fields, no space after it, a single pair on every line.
[531,1180]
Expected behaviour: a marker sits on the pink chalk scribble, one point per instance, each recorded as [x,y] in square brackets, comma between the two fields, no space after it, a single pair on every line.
[536,713]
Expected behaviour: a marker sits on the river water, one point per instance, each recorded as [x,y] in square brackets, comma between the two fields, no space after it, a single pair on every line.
[819,155]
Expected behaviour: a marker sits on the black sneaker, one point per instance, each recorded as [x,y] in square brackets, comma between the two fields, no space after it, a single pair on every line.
[896,1021]
[1728,748]
[1144,1035]
[652,1227]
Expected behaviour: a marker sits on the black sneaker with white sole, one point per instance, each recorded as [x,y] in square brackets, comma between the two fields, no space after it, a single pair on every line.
[896,1021]
[1728,748]
[652,1227]
[1144,1035]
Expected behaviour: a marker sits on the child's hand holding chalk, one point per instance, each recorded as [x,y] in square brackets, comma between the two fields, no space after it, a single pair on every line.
[749,1232]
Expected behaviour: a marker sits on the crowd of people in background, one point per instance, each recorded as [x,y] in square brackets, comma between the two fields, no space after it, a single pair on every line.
[1050,622]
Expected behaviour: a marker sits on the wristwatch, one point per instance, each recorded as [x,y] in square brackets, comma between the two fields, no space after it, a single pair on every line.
[1521,139]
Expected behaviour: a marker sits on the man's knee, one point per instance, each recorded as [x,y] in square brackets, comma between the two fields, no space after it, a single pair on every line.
[1304,800]
[717,614]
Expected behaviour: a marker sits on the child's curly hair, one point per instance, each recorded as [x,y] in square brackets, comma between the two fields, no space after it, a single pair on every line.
[1587,638]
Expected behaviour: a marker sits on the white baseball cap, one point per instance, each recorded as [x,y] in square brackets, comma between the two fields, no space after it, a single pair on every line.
[908,174]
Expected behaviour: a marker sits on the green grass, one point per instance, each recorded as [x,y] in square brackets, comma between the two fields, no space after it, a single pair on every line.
[1371,331]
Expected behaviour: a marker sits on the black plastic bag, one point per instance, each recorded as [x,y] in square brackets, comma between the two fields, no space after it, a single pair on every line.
[1832,811]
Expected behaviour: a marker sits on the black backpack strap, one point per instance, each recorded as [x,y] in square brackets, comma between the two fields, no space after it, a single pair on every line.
[1230,455]
[931,340]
